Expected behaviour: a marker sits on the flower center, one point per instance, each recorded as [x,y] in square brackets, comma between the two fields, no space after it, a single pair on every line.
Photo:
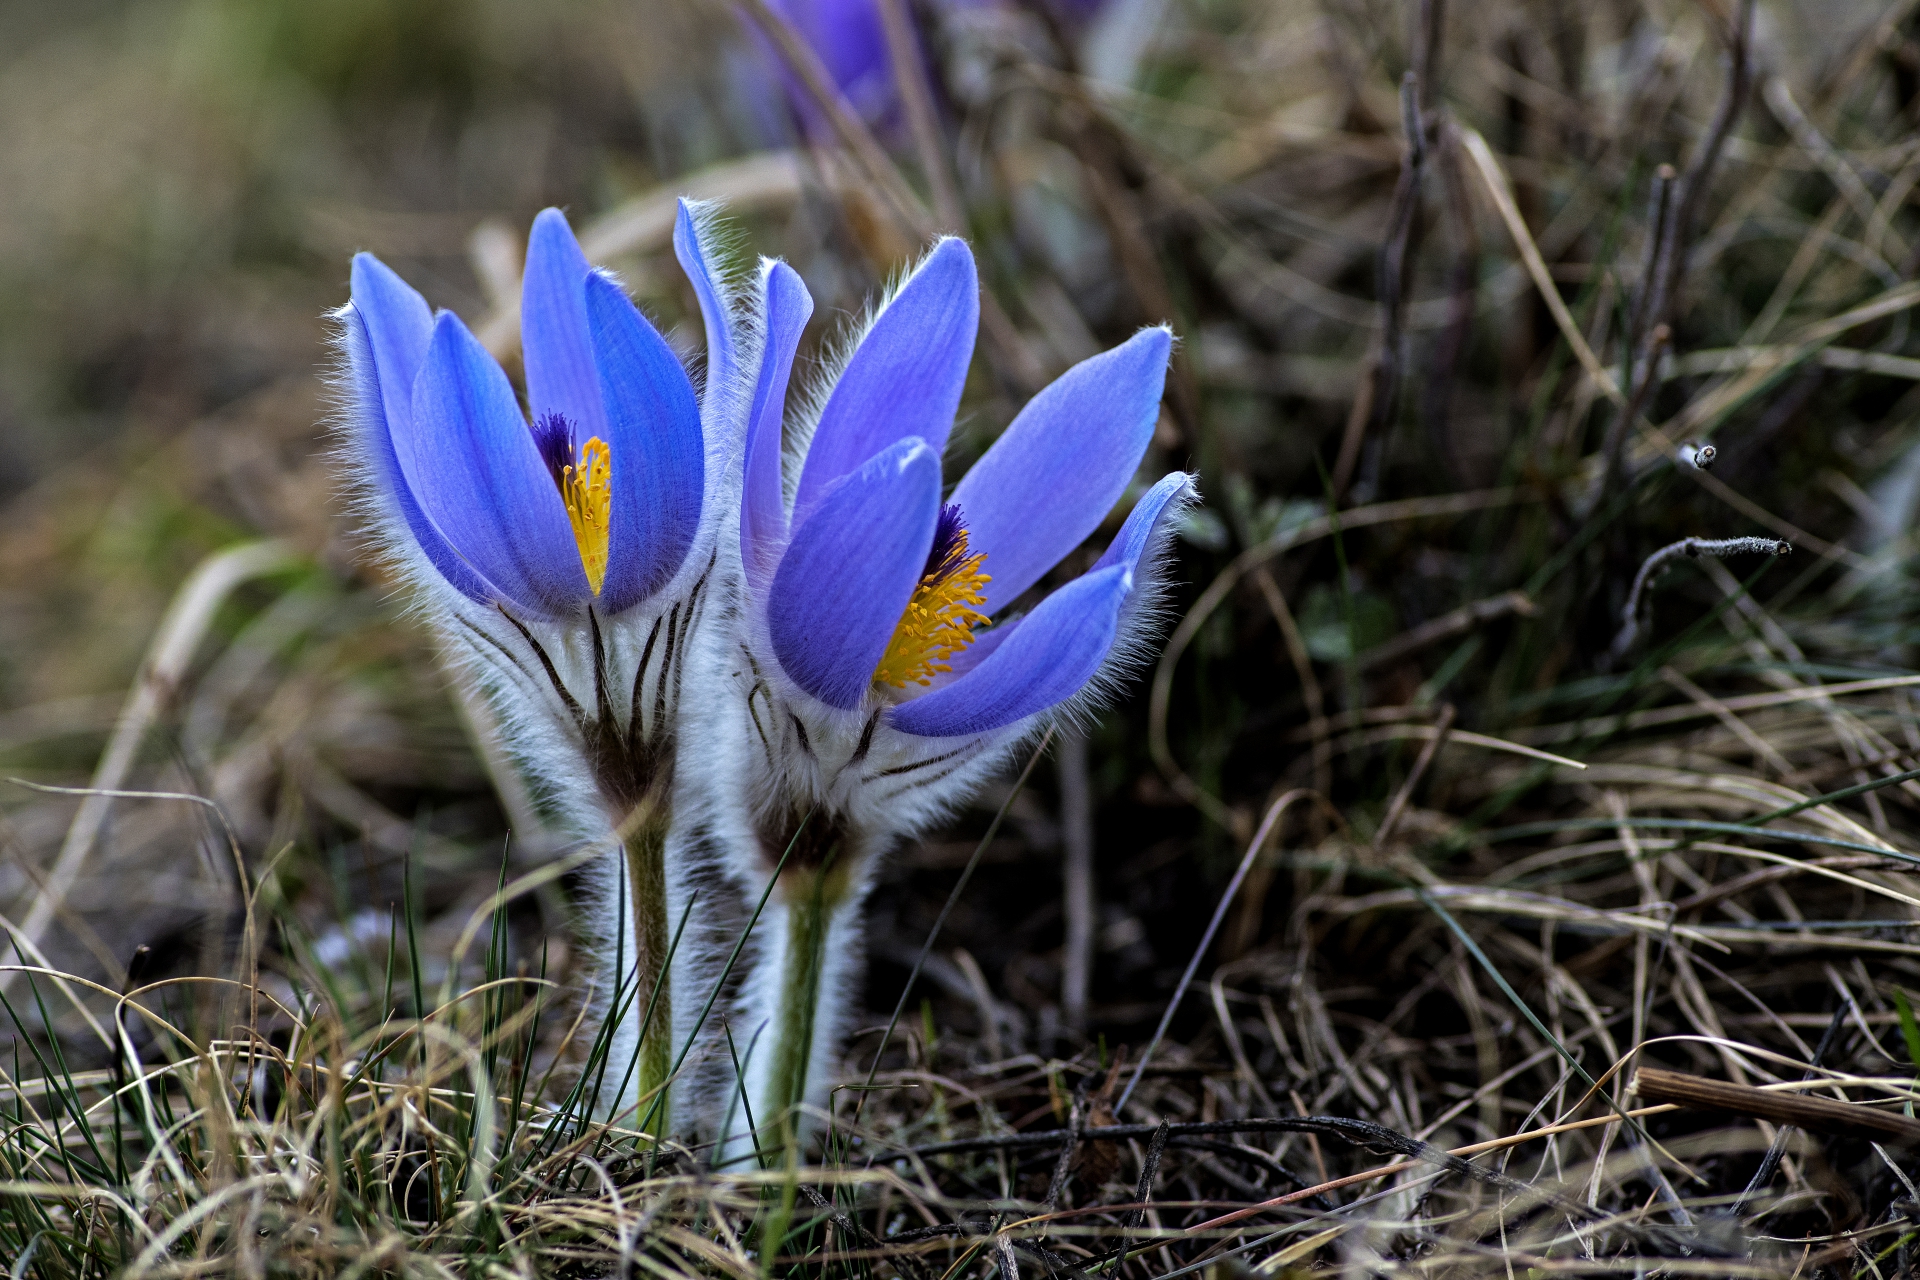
[941,616]
[585,481]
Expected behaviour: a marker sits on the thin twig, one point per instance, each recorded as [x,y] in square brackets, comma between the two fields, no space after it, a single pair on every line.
[1778,1147]
[1254,846]
[1395,265]
[916,98]
[1653,565]
[1447,625]
[1441,728]
[1659,221]
[1691,193]
[1077,899]
[1076,1121]
[1149,1167]
[853,135]
[1820,1115]
[1392,272]
[1463,292]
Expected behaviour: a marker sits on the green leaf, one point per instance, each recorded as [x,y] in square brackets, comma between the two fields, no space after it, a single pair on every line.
[1908,1027]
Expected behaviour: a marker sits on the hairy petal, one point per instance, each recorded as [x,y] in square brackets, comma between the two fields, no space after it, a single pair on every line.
[696,259]
[653,432]
[851,569]
[472,464]
[1049,658]
[553,329]
[1053,476]
[763,515]
[1137,535]
[905,378]
[395,326]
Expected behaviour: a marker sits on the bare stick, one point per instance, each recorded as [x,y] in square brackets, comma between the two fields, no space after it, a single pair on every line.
[1719,548]
[909,77]
[1076,830]
[1659,220]
[1254,846]
[1691,192]
[1463,290]
[847,127]
[1405,793]
[1771,1161]
[1817,1115]
[1394,268]
[1615,447]
[1465,618]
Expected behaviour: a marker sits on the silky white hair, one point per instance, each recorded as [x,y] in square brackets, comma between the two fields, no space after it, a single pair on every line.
[761,752]
[541,674]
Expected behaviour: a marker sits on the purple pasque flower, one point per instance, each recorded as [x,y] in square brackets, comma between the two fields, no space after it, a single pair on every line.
[592,504]
[567,556]
[887,605]
[882,671]
[565,551]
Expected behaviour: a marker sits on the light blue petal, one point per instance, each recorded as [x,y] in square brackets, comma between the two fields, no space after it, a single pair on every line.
[393,327]
[553,329]
[763,514]
[1052,655]
[472,464]
[399,325]
[850,570]
[696,259]
[905,378]
[653,433]
[1053,476]
[1136,536]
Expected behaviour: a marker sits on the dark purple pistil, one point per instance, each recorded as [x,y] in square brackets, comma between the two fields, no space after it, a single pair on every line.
[553,437]
[948,531]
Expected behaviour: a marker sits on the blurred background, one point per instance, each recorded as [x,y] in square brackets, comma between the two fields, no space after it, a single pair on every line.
[182,183]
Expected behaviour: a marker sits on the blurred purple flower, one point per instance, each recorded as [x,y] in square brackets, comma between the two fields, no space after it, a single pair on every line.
[851,41]
[850,38]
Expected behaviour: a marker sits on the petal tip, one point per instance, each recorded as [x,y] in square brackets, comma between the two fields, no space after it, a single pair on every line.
[951,249]
[551,237]
[368,273]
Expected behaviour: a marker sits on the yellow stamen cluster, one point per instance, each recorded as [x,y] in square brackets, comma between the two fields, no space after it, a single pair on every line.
[587,489]
[939,620]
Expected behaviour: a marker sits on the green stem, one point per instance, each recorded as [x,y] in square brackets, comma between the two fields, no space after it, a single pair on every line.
[645,847]
[811,896]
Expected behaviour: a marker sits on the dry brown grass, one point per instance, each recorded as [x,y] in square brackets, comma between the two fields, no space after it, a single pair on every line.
[1484,361]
